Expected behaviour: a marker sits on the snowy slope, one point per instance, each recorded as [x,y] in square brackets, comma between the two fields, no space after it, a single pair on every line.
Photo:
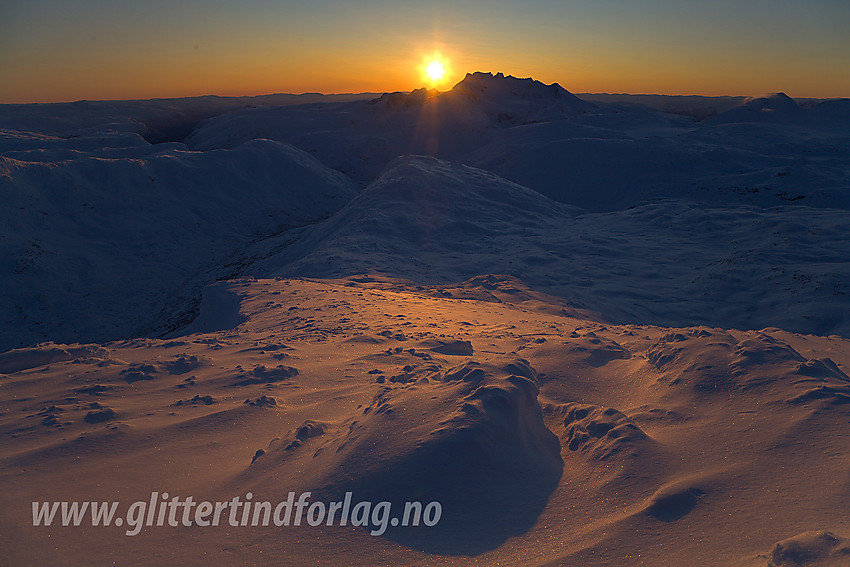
[666,263]
[422,218]
[99,247]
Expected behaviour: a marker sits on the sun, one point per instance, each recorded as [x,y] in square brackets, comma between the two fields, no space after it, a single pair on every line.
[435,71]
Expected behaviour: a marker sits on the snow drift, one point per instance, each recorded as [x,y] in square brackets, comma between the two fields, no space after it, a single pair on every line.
[457,437]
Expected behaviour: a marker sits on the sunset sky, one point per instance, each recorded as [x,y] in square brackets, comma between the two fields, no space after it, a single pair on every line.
[64,50]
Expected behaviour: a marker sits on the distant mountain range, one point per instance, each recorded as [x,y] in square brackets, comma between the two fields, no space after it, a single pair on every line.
[115,215]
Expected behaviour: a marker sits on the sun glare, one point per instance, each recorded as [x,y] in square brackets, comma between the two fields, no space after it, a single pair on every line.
[435,71]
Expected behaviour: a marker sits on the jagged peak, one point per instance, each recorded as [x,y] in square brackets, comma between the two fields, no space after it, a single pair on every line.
[481,82]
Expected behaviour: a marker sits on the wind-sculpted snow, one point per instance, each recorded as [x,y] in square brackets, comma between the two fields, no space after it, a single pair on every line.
[544,436]
[458,437]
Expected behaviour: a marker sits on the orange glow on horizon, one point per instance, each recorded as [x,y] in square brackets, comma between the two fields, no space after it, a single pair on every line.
[236,72]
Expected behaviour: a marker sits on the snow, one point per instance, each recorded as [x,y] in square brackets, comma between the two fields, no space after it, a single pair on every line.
[550,435]
[105,247]
[664,263]
[594,330]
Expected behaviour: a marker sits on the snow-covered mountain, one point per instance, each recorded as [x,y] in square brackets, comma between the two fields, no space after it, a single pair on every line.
[360,139]
[80,178]
[595,156]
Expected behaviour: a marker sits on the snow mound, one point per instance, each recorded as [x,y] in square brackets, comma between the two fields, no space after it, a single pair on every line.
[459,438]
[811,549]
[715,363]
[775,102]
[601,433]
[415,214]
[771,108]
[837,110]
[674,500]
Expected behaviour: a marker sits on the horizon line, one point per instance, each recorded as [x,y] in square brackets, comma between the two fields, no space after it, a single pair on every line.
[379,93]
